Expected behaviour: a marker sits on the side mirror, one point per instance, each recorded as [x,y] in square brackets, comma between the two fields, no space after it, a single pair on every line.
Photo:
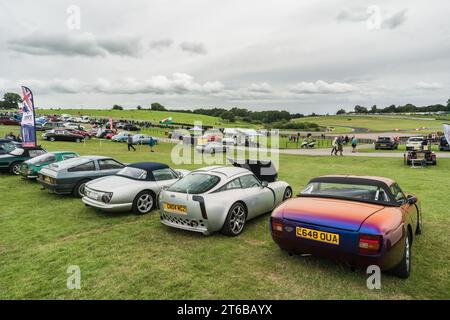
[264,184]
[412,199]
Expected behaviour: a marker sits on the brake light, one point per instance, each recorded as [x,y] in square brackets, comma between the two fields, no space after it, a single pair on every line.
[370,244]
[277,225]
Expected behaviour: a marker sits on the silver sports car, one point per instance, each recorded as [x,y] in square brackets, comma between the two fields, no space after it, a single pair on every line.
[220,198]
[135,187]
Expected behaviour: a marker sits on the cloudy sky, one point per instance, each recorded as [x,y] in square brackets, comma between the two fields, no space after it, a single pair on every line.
[298,55]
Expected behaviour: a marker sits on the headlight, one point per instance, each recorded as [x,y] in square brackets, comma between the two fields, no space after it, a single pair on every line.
[106,198]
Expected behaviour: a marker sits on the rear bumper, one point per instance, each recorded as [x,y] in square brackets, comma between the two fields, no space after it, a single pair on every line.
[57,188]
[346,252]
[120,207]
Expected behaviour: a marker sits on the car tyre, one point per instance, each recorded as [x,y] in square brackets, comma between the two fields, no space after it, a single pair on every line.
[235,222]
[78,190]
[144,202]
[52,139]
[287,193]
[403,269]
[78,140]
[14,168]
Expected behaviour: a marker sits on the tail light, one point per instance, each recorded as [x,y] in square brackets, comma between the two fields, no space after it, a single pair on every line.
[277,225]
[370,244]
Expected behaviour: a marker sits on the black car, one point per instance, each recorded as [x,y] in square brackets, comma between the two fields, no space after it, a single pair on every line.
[444,145]
[62,135]
[386,143]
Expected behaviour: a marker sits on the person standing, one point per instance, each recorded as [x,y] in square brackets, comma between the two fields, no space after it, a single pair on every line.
[354,143]
[130,143]
[151,143]
[340,145]
[334,146]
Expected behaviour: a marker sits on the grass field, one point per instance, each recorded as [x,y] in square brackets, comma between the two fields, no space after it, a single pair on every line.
[375,123]
[124,256]
[147,115]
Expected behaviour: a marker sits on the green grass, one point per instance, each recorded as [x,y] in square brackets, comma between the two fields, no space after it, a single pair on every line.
[344,124]
[147,115]
[124,256]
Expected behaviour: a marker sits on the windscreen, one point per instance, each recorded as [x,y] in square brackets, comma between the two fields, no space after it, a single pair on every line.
[134,173]
[195,183]
[359,192]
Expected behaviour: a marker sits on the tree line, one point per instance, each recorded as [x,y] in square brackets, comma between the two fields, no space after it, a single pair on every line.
[407,108]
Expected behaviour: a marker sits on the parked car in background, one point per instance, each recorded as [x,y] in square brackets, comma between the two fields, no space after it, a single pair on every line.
[130,127]
[101,133]
[386,143]
[120,137]
[142,139]
[444,145]
[30,168]
[73,125]
[83,119]
[85,134]
[12,160]
[358,220]
[211,147]
[414,143]
[62,135]
[136,187]
[50,126]
[70,176]
[219,198]
[9,121]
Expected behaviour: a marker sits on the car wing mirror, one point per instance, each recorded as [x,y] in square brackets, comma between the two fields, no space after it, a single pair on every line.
[264,184]
[412,199]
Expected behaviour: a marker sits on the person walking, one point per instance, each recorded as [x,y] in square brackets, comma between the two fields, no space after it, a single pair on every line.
[130,143]
[151,143]
[340,146]
[354,143]
[334,146]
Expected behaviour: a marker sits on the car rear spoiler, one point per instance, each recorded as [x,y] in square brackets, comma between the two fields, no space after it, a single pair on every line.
[264,170]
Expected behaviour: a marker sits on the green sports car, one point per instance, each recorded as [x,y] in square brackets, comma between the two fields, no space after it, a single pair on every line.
[30,168]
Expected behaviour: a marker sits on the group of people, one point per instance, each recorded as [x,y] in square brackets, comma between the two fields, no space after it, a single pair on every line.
[13,137]
[339,142]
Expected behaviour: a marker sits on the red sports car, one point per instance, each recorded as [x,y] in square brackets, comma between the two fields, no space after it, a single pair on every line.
[354,219]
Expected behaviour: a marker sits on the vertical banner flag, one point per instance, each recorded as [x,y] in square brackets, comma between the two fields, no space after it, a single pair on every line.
[28,124]
[447,132]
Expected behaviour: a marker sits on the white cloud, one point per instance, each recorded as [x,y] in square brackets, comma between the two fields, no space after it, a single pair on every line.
[322,87]
[263,87]
[161,44]
[429,85]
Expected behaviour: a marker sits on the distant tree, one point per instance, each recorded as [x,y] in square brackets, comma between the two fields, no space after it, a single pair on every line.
[156,106]
[139,107]
[374,109]
[341,111]
[117,107]
[360,109]
[11,100]
[229,116]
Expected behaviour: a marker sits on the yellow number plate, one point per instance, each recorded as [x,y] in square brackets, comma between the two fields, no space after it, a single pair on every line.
[321,236]
[177,208]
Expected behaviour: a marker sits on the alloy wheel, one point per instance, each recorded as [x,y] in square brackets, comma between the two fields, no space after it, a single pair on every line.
[145,203]
[237,220]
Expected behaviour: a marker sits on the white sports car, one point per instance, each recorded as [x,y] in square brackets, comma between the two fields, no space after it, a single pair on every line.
[135,187]
[220,198]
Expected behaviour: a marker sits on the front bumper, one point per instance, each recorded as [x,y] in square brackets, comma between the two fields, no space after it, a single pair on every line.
[118,207]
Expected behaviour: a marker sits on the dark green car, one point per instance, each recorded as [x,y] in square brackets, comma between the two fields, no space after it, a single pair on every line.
[11,161]
[30,168]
